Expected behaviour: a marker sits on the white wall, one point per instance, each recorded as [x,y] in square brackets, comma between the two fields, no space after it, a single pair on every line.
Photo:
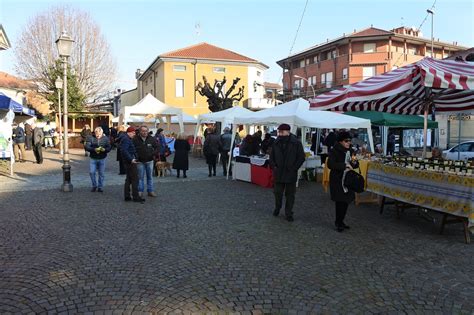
[254,77]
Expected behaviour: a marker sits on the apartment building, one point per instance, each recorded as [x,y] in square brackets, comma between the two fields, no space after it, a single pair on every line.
[173,76]
[355,57]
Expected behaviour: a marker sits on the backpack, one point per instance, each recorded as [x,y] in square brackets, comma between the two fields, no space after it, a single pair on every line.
[51,132]
[354,181]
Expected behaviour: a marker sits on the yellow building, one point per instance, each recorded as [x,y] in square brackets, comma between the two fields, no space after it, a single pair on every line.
[173,76]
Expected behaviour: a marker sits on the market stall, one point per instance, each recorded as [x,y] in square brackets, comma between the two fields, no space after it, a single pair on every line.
[446,188]
[297,114]
[150,107]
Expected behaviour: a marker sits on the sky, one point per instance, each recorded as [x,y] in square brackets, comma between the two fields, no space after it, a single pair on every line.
[140,30]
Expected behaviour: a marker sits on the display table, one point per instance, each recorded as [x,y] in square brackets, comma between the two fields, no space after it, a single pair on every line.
[253,169]
[447,193]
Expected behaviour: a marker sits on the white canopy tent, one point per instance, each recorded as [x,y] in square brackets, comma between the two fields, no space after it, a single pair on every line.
[226,116]
[187,119]
[296,113]
[149,106]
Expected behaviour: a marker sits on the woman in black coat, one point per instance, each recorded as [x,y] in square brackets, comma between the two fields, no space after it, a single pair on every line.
[212,147]
[339,160]
[121,133]
[181,150]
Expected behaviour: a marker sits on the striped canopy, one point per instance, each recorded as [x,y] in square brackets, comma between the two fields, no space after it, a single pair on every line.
[403,90]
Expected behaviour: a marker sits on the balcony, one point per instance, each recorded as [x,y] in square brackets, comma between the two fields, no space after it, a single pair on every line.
[260,103]
[368,58]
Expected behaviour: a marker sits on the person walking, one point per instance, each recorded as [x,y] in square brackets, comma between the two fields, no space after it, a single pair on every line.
[98,145]
[85,133]
[29,137]
[18,136]
[181,151]
[286,158]
[211,148]
[121,133]
[226,139]
[146,147]
[48,132]
[38,137]
[129,153]
[338,162]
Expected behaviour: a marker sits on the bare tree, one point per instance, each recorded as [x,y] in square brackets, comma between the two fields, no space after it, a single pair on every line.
[91,59]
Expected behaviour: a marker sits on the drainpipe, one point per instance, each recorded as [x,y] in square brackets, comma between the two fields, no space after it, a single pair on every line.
[194,86]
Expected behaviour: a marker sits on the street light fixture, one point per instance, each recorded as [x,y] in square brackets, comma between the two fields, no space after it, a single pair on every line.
[64,44]
[432,38]
[59,86]
[299,77]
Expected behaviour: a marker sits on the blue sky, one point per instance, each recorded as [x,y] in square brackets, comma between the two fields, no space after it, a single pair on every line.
[140,30]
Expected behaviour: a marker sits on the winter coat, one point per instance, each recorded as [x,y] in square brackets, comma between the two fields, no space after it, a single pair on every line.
[117,143]
[337,165]
[226,139]
[38,136]
[127,148]
[18,135]
[146,150]
[181,150]
[212,144]
[85,133]
[93,143]
[286,158]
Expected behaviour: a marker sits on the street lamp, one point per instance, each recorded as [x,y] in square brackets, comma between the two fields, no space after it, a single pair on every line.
[59,86]
[432,38]
[64,44]
[298,77]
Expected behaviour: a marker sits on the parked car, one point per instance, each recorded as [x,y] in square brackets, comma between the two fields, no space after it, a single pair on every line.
[465,151]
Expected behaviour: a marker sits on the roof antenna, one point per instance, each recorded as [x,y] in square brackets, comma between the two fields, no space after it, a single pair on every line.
[197,28]
[403,24]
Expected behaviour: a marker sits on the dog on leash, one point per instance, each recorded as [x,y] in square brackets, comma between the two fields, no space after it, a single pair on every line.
[161,168]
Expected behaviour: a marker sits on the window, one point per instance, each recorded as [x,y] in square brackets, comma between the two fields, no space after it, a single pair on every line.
[369,48]
[302,63]
[412,50]
[297,84]
[334,54]
[179,88]
[179,68]
[219,69]
[329,55]
[326,79]
[315,59]
[258,73]
[313,80]
[308,61]
[344,73]
[368,72]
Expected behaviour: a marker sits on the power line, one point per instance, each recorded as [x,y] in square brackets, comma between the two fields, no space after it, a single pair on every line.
[296,34]
[419,27]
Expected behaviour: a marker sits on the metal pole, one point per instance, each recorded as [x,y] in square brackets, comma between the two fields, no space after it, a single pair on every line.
[459,136]
[67,186]
[432,38]
[425,129]
[61,142]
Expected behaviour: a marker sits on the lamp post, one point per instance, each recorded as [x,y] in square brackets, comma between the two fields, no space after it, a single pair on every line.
[59,85]
[432,38]
[64,44]
[299,77]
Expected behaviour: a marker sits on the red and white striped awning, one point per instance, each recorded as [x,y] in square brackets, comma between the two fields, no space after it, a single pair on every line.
[402,91]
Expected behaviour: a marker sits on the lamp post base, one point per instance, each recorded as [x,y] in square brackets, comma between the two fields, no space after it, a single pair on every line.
[67,186]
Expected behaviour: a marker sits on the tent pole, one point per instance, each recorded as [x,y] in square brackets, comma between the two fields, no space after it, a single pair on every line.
[425,129]
[318,136]
[459,136]
[196,132]
[231,150]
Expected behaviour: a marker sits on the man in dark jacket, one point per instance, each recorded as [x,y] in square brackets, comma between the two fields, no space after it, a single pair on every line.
[98,146]
[146,147]
[29,136]
[38,137]
[286,158]
[19,143]
[226,139]
[129,157]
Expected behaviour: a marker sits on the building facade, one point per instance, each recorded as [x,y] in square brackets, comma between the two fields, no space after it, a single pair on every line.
[4,42]
[355,57]
[173,76]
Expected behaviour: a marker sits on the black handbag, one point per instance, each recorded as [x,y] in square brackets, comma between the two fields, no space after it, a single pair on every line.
[354,181]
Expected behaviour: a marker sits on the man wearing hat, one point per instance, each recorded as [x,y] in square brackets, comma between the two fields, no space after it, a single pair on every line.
[129,157]
[286,158]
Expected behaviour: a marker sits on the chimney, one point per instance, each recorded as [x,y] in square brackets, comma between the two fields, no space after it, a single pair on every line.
[138,73]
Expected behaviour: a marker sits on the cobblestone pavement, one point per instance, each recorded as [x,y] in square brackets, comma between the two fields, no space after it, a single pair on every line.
[212,246]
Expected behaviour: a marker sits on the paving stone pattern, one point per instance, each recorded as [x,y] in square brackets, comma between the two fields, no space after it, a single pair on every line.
[212,246]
